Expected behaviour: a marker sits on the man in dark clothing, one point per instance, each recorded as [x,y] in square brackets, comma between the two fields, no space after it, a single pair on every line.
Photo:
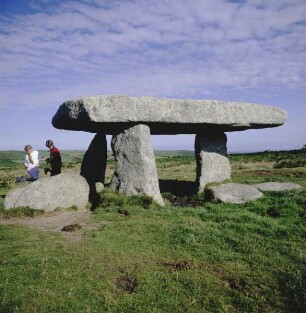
[54,160]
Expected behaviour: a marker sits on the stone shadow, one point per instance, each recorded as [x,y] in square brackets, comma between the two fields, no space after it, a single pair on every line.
[178,187]
[180,193]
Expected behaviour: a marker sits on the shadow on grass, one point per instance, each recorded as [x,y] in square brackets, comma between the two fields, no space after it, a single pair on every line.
[178,193]
[181,193]
[178,188]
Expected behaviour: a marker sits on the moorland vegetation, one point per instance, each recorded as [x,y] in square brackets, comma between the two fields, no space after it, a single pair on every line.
[189,256]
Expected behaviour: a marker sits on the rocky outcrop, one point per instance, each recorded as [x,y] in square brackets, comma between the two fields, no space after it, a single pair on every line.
[164,116]
[233,193]
[48,193]
[135,172]
[277,186]
[211,158]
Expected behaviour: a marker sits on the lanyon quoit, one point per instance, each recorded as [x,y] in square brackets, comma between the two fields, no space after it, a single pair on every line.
[131,121]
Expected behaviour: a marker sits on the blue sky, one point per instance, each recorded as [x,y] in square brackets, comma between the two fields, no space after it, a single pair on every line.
[52,51]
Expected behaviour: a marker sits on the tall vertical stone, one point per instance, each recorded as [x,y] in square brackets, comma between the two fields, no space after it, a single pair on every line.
[211,158]
[135,172]
[94,162]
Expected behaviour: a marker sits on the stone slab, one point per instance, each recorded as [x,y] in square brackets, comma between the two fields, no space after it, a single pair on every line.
[276,186]
[164,116]
[234,193]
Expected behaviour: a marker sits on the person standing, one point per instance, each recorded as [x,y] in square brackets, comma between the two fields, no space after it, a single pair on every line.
[55,159]
[31,162]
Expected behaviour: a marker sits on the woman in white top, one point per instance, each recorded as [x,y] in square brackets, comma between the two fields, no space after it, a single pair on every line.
[31,162]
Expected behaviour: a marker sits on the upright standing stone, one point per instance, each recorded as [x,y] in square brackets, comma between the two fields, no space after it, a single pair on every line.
[212,162]
[94,162]
[135,172]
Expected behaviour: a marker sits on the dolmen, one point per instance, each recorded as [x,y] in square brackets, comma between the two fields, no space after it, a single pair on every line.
[132,120]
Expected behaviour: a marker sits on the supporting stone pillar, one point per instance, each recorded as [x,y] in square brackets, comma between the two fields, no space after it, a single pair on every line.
[212,162]
[135,172]
[94,163]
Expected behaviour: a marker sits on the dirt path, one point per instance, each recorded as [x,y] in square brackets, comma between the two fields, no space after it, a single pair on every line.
[55,221]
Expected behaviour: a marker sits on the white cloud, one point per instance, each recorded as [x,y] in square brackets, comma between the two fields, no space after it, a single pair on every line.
[216,44]
[164,48]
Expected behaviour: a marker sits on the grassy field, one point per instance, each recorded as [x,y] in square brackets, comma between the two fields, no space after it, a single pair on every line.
[189,256]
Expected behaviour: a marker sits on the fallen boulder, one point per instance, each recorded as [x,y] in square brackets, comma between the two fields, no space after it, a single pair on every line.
[48,193]
[277,186]
[233,193]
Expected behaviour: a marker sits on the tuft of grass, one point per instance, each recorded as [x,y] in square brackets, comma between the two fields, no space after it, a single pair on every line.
[71,208]
[289,163]
[111,199]
[20,212]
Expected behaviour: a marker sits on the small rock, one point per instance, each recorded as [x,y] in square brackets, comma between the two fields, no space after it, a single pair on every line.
[99,187]
[233,193]
[72,227]
[276,186]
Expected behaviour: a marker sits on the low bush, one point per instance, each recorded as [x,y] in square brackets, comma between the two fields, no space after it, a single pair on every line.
[290,163]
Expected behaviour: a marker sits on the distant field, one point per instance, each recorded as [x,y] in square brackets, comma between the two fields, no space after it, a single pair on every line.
[179,165]
[133,256]
[10,158]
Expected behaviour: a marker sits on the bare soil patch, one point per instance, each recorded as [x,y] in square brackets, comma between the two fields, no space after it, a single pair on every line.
[126,282]
[56,221]
[178,266]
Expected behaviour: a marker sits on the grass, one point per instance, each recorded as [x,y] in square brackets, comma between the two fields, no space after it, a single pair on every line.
[19,212]
[144,258]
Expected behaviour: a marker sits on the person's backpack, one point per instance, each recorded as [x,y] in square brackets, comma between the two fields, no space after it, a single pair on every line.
[21,179]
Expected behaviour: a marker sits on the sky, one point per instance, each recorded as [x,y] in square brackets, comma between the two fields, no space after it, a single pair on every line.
[249,51]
